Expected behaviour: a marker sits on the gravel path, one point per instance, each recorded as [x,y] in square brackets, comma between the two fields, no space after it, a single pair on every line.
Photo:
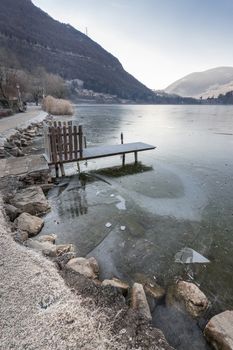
[19,118]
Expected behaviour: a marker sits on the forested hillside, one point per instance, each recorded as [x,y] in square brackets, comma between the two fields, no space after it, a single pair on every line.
[37,40]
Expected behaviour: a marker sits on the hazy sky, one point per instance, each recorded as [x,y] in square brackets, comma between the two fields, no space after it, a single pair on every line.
[158,41]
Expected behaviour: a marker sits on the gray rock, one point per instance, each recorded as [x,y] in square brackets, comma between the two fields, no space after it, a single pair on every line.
[12,212]
[29,223]
[152,289]
[63,259]
[49,249]
[47,238]
[17,143]
[24,142]
[16,152]
[86,267]
[139,301]
[94,265]
[64,248]
[31,200]
[8,145]
[189,296]
[219,331]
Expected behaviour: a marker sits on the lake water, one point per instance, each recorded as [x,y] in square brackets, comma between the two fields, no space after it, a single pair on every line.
[185,201]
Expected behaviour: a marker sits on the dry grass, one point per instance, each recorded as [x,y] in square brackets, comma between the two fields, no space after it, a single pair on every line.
[57,106]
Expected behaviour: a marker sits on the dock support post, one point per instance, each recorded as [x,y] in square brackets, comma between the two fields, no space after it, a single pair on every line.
[123,155]
[62,169]
[78,166]
[56,169]
[135,158]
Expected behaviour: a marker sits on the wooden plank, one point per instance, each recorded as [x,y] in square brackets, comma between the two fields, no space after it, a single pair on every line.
[113,150]
[52,136]
[46,140]
[80,132]
[59,144]
[64,137]
[70,142]
[75,142]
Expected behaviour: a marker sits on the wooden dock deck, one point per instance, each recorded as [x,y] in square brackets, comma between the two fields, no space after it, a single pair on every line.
[110,150]
[65,143]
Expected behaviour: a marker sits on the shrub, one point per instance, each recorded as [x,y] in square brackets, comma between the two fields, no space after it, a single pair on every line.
[57,106]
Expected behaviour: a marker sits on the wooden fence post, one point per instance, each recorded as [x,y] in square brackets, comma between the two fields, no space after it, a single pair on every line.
[80,132]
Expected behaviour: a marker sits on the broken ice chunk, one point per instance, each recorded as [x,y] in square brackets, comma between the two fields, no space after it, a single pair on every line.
[190,256]
[120,205]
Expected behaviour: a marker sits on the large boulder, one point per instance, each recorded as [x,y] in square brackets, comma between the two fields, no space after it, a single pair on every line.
[12,212]
[189,296]
[86,267]
[31,200]
[139,301]
[29,223]
[219,331]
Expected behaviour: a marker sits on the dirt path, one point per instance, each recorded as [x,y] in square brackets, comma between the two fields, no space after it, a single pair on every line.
[19,118]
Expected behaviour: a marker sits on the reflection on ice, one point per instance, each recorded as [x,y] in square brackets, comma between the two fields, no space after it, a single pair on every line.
[190,256]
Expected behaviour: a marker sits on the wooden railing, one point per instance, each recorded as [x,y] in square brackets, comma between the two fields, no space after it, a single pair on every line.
[64,142]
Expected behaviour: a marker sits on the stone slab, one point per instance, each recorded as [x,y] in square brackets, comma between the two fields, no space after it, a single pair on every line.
[23,165]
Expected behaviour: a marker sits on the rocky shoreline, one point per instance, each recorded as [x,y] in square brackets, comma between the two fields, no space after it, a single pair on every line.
[126,307]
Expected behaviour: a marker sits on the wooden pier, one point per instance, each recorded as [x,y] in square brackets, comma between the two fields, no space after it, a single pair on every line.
[66,143]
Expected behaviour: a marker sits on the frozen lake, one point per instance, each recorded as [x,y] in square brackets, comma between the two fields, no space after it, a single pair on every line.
[185,201]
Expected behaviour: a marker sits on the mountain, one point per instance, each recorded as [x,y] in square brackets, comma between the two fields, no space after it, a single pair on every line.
[37,40]
[209,83]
